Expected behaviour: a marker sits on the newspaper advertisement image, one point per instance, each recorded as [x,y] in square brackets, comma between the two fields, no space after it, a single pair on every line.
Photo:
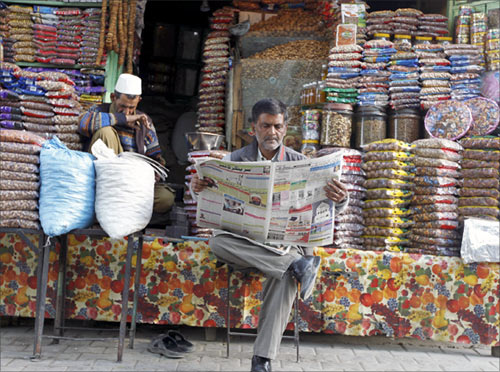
[270,202]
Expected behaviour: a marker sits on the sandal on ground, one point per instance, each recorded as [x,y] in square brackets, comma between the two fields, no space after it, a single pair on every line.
[166,346]
[182,342]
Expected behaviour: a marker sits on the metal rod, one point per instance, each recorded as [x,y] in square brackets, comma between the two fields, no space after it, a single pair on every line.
[61,284]
[138,269]
[123,320]
[37,344]
[79,338]
[90,329]
[228,317]
[40,316]
[296,325]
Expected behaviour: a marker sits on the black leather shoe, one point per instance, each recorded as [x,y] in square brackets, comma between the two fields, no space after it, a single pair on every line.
[305,269]
[260,364]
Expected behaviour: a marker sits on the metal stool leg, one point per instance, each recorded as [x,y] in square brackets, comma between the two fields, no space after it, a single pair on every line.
[126,284]
[137,282]
[61,290]
[228,313]
[296,325]
[43,270]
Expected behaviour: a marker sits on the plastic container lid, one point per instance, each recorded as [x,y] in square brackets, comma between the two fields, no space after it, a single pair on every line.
[444,38]
[381,35]
[485,116]
[426,38]
[402,36]
[337,106]
[310,141]
[448,119]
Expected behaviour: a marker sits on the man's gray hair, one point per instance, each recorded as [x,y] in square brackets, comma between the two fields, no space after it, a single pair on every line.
[269,106]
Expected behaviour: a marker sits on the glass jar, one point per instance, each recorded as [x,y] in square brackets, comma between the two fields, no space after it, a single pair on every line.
[322,92]
[402,42]
[336,125]
[318,92]
[404,125]
[370,124]
[324,72]
[312,93]
[293,137]
[423,40]
[381,36]
[303,95]
[311,124]
[309,148]
[444,40]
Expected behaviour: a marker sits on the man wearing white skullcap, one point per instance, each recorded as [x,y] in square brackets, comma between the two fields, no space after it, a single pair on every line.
[123,128]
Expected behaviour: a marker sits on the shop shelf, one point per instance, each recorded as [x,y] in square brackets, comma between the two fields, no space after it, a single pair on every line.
[48,65]
[83,4]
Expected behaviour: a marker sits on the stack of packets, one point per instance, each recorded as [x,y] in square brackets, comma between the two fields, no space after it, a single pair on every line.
[465,70]
[344,66]
[89,85]
[389,173]
[434,74]
[379,22]
[404,87]
[19,177]
[478,29]
[373,85]
[432,25]
[89,46]
[190,203]
[405,21]
[479,195]
[349,224]
[19,46]
[212,92]
[435,203]
[462,24]
[46,103]
[69,36]
[493,49]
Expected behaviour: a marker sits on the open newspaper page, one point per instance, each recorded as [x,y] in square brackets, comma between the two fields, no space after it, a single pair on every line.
[301,213]
[237,198]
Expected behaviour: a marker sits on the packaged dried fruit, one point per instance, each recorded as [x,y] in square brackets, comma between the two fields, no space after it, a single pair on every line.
[435,216]
[431,208]
[483,155]
[483,183]
[386,212]
[399,222]
[448,119]
[435,181]
[377,183]
[385,231]
[477,202]
[437,172]
[485,142]
[22,205]
[480,173]
[391,173]
[385,193]
[419,161]
[467,191]
[386,203]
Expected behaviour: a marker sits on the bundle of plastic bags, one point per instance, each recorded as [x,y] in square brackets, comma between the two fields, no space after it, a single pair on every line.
[67,190]
[124,190]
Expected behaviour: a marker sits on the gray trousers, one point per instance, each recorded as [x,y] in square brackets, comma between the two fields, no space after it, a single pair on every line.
[279,290]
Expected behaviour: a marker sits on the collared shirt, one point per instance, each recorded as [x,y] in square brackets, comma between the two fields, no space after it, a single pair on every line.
[261,157]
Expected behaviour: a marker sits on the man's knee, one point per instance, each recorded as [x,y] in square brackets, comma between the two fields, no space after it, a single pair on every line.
[164,200]
[215,244]
[110,137]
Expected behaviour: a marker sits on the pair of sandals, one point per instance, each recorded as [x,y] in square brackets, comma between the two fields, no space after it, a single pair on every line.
[172,345]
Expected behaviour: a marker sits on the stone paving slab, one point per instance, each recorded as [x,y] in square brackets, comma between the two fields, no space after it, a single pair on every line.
[318,353]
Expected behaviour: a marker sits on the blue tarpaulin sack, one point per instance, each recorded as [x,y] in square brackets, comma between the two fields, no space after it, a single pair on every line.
[67,191]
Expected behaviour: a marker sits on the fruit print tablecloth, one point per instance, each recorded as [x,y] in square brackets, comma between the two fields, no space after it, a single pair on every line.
[396,294]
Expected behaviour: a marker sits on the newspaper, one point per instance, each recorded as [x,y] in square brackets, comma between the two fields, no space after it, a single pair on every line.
[270,202]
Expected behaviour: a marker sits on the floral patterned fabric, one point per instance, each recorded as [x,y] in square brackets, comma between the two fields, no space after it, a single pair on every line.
[396,294]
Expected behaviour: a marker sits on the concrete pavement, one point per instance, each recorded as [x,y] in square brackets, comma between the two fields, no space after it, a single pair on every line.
[318,353]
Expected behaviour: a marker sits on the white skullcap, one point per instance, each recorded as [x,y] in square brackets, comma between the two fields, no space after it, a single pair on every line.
[129,84]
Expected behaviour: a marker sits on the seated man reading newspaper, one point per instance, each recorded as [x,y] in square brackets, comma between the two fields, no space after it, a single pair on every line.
[269,122]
